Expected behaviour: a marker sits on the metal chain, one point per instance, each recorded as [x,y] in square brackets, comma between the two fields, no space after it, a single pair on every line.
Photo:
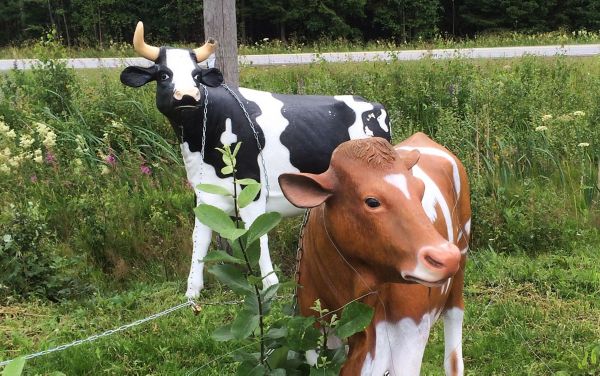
[299,254]
[105,334]
[203,132]
[260,151]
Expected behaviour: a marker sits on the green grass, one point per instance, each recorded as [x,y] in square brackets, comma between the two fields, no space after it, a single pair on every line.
[524,316]
[124,49]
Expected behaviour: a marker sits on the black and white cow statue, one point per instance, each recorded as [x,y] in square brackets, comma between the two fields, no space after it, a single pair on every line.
[296,133]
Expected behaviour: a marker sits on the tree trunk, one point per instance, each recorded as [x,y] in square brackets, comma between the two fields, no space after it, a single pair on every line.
[220,24]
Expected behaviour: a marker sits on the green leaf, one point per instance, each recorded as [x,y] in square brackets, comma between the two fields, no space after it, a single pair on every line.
[222,334]
[14,368]
[244,324]
[277,372]
[227,170]
[246,181]
[302,335]
[276,333]
[244,356]
[249,369]
[270,293]
[213,189]
[214,218]
[355,318]
[222,256]
[233,234]
[232,277]
[253,252]
[248,194]
[261,225]
[251,303]
[236,149]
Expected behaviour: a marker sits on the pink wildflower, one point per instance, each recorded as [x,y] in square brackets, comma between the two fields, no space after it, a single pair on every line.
[145,169]
[111,160]
[50,158]
[33,178]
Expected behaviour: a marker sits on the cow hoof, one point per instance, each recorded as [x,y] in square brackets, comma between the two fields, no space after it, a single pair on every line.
[193,291]
[269,281]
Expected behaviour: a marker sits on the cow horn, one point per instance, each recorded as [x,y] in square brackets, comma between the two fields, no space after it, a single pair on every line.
[143,49]
[202,53]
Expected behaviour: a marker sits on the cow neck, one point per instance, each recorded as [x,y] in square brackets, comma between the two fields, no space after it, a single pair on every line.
[254,132]
[334,245]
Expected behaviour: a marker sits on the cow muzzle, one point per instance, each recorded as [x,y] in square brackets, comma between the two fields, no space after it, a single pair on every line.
[435,264]
[188,96]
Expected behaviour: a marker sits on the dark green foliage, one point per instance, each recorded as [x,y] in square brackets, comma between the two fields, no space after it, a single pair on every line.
[108,23]
[29,264]
[405,20]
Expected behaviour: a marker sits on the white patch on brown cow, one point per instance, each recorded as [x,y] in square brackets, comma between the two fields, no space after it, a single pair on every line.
[442,154]
[399,347]
[433,196]
[453,361]
[399,181]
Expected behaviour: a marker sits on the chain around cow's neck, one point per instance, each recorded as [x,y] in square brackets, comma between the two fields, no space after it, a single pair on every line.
[251,123]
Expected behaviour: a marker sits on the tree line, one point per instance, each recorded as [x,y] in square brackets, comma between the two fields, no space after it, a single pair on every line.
[101,22]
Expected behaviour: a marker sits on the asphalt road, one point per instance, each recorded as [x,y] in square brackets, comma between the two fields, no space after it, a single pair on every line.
[306,58]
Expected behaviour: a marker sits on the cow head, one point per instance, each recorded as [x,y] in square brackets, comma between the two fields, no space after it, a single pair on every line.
[372,213]
[176,72]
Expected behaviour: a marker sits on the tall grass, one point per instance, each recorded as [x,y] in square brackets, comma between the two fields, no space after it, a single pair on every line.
[111,189]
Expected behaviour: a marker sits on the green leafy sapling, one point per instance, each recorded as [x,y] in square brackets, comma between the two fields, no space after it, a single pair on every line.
[280,346]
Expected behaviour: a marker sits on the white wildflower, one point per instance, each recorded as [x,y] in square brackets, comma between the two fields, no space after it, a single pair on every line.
[265,39]
[38,159]
[11,134]
[50,139]
[578,113]
[546,117]
[584,144]
[7,238]
[4,128]
[26,141]
[4,168]
[541,128]
[42,129]
[104,170]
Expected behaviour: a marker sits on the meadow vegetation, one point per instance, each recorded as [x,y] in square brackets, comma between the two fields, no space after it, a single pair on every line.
[96,215]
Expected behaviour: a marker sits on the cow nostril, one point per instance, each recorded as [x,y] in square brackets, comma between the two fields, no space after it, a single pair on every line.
[433,262]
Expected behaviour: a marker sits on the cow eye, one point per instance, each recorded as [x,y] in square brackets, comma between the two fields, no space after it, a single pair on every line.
[164,76]
[372,202]
[197,77]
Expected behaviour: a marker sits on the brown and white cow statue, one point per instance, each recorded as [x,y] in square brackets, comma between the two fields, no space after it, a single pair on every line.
[394,221]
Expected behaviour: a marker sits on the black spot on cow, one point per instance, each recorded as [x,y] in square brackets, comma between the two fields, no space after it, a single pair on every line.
[222,106]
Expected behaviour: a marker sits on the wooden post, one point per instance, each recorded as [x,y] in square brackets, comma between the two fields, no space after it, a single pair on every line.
[220,23]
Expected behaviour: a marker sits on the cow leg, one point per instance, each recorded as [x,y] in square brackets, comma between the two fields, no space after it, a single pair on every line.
[249,214]
[201,241]
[453,361]
[453,320]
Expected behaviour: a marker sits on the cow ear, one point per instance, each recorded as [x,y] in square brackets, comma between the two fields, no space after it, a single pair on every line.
[212,77]
[138,76]
[410,158]
[305,190]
